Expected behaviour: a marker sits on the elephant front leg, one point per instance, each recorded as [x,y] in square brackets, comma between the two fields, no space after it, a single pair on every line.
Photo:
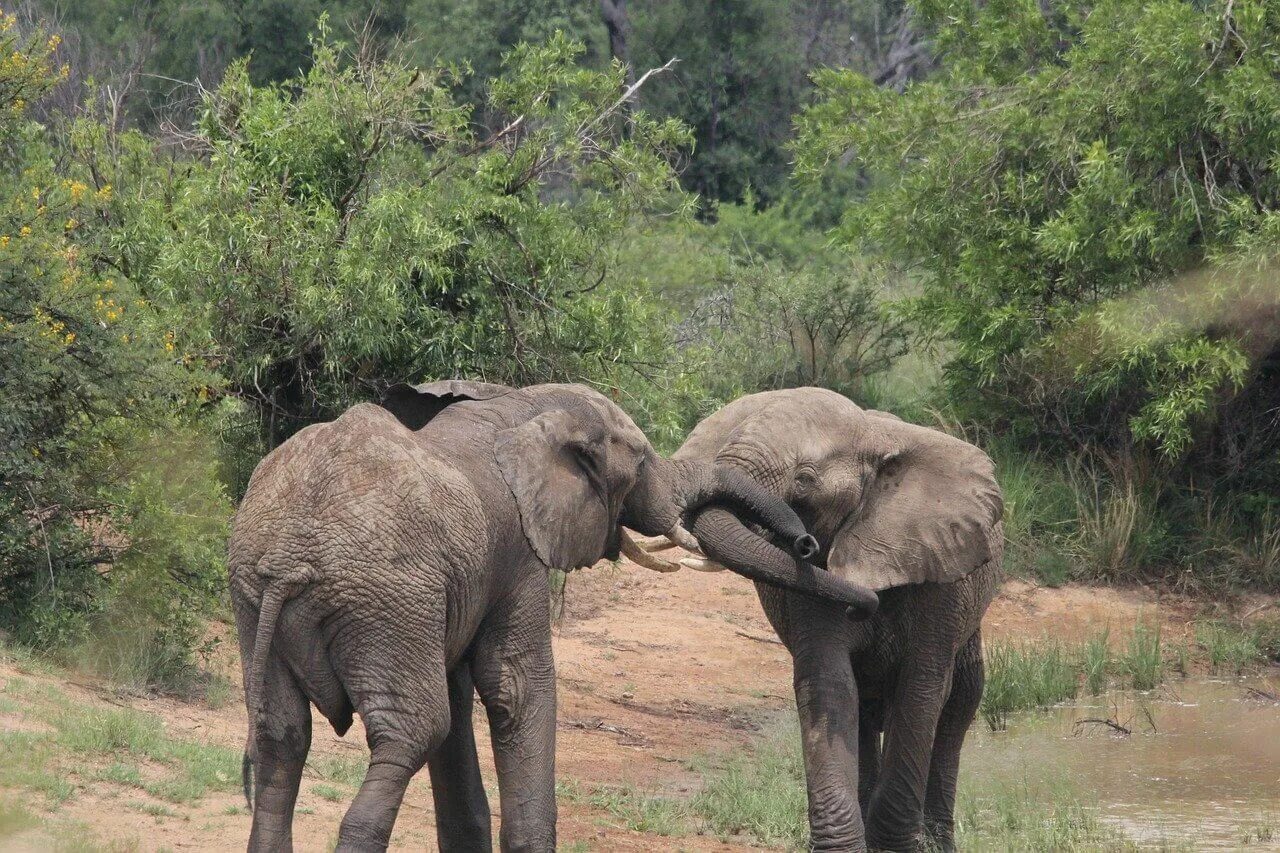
[895,815]
[827,702]
[515,676]
[870,724]
[944,770]
[462,808]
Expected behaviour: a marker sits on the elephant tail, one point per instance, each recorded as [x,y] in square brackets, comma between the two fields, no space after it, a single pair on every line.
[273,599]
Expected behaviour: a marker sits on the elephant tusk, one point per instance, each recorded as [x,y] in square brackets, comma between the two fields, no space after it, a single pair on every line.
[684,538]
[641,557]
[698,564]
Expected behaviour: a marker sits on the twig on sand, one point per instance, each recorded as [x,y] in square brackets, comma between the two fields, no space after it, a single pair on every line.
[759,638]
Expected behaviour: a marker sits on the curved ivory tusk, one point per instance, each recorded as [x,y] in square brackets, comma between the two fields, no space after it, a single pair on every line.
[698,564]
[684,539]
[641,557]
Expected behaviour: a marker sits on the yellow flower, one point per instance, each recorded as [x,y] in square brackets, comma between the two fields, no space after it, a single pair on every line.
[35,193]
[71,223]
[71,338]
[54,41]
[4,241]
[24,231]
[104,194]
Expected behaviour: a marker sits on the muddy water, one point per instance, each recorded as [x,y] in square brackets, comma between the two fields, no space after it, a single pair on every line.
[1201,767]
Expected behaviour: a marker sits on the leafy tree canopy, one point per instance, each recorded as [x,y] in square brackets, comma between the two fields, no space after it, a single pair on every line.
[1050,185]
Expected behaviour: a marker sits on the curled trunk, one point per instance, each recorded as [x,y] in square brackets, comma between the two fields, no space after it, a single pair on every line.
[728,541]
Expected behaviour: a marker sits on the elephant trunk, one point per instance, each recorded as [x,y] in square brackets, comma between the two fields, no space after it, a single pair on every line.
[727,540]
[723,485]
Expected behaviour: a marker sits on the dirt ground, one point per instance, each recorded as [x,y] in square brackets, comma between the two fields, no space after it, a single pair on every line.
[653,669]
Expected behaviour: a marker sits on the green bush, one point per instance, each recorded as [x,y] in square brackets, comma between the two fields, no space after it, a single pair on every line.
[95,381]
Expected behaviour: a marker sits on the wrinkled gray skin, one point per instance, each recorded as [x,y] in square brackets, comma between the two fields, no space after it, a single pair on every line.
[915,514]
[395,560]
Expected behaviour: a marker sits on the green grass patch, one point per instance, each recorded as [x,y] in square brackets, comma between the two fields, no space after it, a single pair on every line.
[15,818]
[654,814]
[1230,650]
[1026,676]
[344,769]
[1144,659]
[328,792]
[123,736]
[758,792]
[1096,662]
[1045,818]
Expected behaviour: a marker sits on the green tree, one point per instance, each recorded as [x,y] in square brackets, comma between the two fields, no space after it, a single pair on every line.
[355,227]
[1051,185]
[90,370]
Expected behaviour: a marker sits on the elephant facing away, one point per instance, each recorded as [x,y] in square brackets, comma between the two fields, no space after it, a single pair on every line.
[914,514]
[394,562]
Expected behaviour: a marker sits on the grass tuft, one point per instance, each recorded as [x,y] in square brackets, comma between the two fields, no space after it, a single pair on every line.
[1144,660]
[1023,677]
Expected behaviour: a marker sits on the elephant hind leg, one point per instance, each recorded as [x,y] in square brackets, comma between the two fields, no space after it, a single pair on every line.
[284,738]
[944,769]
[462,807]
[400,691]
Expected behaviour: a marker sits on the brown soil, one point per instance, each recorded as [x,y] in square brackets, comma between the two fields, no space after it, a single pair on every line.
[652,670]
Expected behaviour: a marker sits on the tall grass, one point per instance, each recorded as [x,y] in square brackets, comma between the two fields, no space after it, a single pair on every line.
[1096,662]
[1034,675]
[1023,677]
[1116,519]
[1047,816]
[1144,661]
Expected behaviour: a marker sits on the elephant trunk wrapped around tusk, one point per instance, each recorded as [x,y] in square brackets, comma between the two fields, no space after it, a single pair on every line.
[642,552]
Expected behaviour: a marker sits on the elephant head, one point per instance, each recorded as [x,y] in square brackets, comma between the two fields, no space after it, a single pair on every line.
[580,470]
[891,503]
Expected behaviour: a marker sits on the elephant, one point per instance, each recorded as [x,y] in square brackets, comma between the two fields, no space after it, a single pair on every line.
[916,515]
[395,561]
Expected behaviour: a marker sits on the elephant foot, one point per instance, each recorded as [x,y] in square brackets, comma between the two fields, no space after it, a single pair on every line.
[909,842]
[941,837]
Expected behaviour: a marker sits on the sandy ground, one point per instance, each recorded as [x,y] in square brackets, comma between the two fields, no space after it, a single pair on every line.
[653,669]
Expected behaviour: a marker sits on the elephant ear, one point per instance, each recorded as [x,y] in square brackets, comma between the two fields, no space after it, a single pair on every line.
[929,511]
[415,405]
[555,467]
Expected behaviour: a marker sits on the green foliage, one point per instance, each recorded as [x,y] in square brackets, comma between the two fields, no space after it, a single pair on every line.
[759,792]
[1052,182]
[1144,659]
[91,382]
[1025,677]
[352,228]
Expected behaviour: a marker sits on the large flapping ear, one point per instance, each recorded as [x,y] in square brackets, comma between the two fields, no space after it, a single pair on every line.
[930,511]
[415,405]
[555,466]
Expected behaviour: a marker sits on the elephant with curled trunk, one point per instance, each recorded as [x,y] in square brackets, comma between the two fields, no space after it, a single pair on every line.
[914,514]
[395,560]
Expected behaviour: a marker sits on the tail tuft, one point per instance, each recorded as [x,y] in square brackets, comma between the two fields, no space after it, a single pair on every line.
[246,776]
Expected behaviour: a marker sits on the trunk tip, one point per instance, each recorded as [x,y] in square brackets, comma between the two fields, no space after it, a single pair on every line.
[805,547]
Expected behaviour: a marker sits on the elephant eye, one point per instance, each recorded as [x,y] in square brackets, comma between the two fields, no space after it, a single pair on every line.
[806,478]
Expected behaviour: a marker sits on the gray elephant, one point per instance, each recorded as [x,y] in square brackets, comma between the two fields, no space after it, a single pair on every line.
[916,515]
[395,560]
